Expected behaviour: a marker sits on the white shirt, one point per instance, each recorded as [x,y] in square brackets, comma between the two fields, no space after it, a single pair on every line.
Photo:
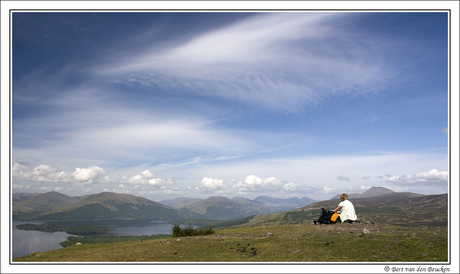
[347,211]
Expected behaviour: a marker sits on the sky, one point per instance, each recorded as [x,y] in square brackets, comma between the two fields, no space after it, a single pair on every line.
[236,104]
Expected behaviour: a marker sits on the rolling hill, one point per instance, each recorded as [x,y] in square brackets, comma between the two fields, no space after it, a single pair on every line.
[107,206]
[48,201]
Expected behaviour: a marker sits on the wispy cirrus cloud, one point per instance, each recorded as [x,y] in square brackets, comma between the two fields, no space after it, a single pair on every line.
[304,55]
[100,130]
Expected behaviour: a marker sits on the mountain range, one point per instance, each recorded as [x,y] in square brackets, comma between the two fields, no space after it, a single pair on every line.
[222,207]
[106,205]
[215,207]
[375,203]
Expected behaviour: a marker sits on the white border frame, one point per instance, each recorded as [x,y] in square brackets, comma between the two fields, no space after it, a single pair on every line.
[6,6]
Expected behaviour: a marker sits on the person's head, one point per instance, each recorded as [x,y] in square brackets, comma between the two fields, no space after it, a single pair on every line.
[343,197]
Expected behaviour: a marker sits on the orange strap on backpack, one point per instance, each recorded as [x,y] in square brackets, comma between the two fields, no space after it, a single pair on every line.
[334,217]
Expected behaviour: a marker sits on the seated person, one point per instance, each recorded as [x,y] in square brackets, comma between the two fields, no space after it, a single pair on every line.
[346,210]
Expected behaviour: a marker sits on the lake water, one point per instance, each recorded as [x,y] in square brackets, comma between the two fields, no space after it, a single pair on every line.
[29,241]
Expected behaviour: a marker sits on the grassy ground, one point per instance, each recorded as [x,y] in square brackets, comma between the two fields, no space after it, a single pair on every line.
[280,243]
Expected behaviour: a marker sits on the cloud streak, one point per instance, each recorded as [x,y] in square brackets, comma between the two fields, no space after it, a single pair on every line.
[252,60]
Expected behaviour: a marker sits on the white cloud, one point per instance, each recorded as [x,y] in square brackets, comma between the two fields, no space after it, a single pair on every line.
[137,179]
[144,180]
[44,170]
[89,174]
[211,183]
[161,182]
[290,187]
[147,174]
[106,180]
[41,173]
[20,170]
[253,183]
[432,177]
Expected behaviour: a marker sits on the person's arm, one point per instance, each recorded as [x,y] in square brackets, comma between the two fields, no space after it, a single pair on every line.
[335,210]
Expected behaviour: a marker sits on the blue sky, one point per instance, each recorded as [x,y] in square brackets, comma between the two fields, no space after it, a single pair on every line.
[293,104]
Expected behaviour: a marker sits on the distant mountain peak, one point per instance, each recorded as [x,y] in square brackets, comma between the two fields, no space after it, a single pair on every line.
[371,192]
[375,191]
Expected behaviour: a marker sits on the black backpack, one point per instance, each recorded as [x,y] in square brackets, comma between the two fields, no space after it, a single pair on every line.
[327,217]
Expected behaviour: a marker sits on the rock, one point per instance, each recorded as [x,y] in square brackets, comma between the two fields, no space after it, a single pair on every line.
[178,240]
[365,231]
[268,234]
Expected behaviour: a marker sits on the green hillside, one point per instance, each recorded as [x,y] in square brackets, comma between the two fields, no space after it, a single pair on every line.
[48,201]
[107,205]
[21,212]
